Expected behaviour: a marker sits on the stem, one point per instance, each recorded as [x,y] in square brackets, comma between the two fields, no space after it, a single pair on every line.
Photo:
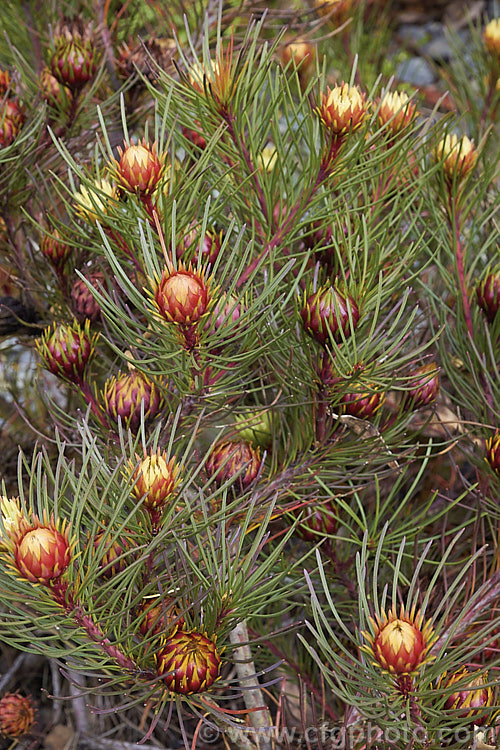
[322,405]
[455,225]
[254,698]
[63,596]
[229,120]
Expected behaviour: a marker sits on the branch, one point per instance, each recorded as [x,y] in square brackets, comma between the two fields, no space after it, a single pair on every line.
[254,698]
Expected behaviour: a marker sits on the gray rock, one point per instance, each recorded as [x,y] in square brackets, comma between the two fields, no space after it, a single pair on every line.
[416,71]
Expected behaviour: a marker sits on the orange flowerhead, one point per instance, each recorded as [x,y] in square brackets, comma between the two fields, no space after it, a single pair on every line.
[12,118]
[470,694]
[458,157]
[140,169]
[182,296]
[342,109]
[17,715]
[399,644]
[43,551]
[14,521]
[396,111]
[92,202]
[189,662]
[300,54]
[156,480]
[5,82]
[491,37]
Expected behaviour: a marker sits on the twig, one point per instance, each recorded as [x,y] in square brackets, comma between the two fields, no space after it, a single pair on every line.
[76,683]
[12,671]
[98,743]
[254,699]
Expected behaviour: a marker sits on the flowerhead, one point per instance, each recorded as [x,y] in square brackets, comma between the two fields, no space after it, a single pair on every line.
[396,111]
[42,551]
[156,479]
[140,168]
[399,644]
[92,202]
[13,520]
[342,109]
[491,37]
[458,157]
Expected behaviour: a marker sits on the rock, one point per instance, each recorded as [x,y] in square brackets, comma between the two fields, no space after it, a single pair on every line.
[416,71]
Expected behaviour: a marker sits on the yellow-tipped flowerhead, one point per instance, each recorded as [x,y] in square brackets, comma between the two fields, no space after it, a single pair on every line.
[491,37]
[342,109]
[182,296]
[92,202]
[362,405]
[12,118]
[126,394]
[400,643]
[139,169]
[396,111]
[488,295]
[493,452]
[156,479]
[329,311]
[458,157]
[65,350]
[43,551]
[219,78]
[53,247]
[114,556]
[470,694]
[17,715]
[74,62]
[189,662]
[239,461]
[160,615]
[13,520]
[424,387]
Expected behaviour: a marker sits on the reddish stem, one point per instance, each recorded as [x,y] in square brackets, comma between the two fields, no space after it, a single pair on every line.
[324,171]
[455,226]
[64,597]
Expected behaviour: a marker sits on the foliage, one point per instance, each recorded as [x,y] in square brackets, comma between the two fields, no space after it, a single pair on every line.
[261,286]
